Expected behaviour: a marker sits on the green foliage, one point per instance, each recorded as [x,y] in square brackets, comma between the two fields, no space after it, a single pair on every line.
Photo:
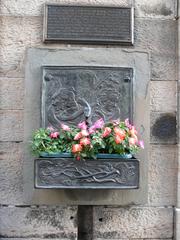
[113,137]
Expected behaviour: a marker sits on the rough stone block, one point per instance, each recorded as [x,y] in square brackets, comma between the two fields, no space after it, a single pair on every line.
[163,67]
[177,221]
[155,8]
[150,36]
[178,179]
[27,238]
[11,178]
[42,239]
[113,239]
[163,96]
[11,125]
[37,222]
[144,8]
[35,8]
[132,222]
[11,93]
[163,128]
[162,175]
[17,33]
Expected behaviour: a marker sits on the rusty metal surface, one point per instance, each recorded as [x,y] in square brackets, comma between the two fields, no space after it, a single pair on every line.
[67,92]
[68,173]
[88,24]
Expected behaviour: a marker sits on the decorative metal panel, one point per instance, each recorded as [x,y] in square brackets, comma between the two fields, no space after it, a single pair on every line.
[65,173]
[69,92]
[88,24]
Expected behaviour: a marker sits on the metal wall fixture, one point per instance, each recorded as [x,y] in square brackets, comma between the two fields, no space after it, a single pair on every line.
[88,24]
[65,173]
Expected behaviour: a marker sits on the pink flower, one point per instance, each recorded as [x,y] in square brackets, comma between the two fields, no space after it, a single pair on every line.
[82,125]
[84,133]
[133,131]
[128,125]
[50,128]
[78,158]
[85,141]
[98,124]
[91,130]
[116,122]
[132,141]
[141,144]
[76,148]
[78,136]
[106,132]
[65,127]
[54,135]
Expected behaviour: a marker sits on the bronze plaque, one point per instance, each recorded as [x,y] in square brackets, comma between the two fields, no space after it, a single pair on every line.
[69,93]
[88,24]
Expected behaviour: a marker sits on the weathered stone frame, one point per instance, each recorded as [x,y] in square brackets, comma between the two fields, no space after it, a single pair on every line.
[111,57]
[177,207]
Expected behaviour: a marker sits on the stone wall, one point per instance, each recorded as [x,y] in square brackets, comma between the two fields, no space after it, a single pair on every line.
[156,35]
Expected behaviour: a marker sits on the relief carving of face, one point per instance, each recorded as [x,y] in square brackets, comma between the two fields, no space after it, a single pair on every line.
[64,102]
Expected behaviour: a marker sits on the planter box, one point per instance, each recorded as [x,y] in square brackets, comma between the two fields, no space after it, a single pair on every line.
[104,173]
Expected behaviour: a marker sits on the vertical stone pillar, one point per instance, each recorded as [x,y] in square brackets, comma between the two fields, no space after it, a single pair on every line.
[177,208]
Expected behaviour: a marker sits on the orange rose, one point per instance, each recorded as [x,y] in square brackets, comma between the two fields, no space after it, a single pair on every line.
[120,132]
[118,139]
[76,148]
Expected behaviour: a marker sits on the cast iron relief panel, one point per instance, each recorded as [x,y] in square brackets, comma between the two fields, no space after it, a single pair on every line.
[70,93]
[92,174]
[88,24]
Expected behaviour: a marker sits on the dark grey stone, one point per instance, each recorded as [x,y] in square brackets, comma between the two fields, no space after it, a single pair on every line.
[163,128]
[92,24]
[85,222]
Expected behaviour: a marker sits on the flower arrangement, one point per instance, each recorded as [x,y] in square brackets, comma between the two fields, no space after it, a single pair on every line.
[114,137]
